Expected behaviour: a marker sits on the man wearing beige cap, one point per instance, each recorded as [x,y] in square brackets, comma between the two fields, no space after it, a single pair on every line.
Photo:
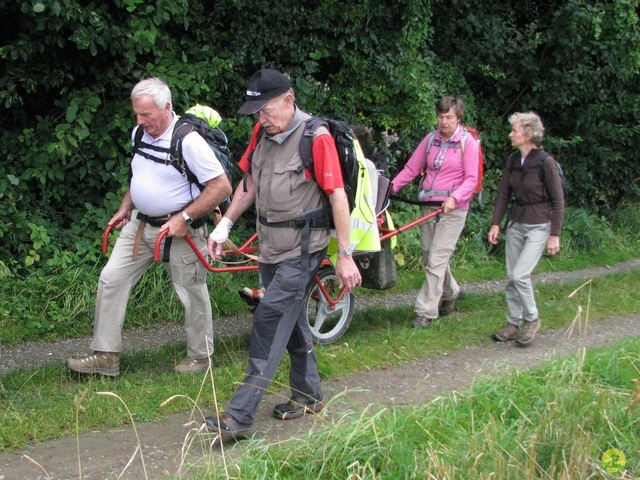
[294,206]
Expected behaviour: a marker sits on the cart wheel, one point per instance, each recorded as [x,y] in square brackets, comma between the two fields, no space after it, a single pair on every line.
[329,324]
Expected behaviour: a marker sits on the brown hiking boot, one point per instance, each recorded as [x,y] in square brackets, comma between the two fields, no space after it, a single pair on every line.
[227,426]
[296,408]
[192,365]
[449,306]
[103,363]
[421,321]
[508,332]
[528,332]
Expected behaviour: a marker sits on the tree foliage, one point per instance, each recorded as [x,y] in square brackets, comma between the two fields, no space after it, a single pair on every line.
[67,68]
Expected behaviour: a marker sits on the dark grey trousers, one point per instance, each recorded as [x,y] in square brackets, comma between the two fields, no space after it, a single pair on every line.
[280,323]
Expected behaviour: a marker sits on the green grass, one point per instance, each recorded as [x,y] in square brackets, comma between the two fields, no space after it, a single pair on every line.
[552,422]
[62,306]
[59,306]
[377,338]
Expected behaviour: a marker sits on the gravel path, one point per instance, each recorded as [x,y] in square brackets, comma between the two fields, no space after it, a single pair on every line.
[37,353]
[105,454]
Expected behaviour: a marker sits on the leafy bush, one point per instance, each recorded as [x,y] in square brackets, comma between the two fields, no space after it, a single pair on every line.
[584,231]
[626,219]
[68,68]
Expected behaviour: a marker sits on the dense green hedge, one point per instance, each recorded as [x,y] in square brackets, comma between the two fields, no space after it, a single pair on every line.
[68,67]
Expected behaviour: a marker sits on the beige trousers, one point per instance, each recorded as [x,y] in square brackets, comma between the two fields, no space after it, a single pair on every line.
[438,241]
[121,273]
[525,245]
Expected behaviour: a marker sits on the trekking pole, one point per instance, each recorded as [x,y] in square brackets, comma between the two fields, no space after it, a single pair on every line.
[406,227]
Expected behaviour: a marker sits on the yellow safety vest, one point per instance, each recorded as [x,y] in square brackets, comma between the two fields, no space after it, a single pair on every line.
[364,235]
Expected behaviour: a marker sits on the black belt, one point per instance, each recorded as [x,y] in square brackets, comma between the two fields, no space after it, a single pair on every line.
[159,221]
[418,202]
[313,220]
[153,221]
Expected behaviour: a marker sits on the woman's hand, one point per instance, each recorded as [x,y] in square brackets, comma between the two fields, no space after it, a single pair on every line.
[449,205]
[494,234]
[553,245]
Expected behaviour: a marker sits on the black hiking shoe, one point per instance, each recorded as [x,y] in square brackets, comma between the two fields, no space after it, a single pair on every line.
[296,408]
[227,426]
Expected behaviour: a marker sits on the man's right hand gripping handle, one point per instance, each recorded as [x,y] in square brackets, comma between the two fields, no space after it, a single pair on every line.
[217,238]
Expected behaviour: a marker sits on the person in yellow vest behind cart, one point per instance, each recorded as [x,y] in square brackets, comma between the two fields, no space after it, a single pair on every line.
[293,234]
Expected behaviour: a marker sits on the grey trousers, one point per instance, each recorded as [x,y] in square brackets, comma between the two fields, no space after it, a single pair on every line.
[280,322]
[438,241]
[524,247]
[121,273]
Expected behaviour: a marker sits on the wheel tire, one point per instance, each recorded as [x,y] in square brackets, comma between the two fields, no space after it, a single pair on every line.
[328,325]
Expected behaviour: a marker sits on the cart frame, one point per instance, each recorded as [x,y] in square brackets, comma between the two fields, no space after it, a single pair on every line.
[329,306]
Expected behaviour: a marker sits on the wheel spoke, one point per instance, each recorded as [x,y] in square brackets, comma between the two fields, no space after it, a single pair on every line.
[328,323]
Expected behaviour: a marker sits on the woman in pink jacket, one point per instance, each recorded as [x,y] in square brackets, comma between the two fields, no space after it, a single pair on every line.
[448,159]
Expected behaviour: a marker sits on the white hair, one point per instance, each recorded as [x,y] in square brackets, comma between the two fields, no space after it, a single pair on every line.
[154,87]
[531,125]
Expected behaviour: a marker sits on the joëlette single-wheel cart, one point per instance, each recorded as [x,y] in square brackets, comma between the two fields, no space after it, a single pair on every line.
[329,307]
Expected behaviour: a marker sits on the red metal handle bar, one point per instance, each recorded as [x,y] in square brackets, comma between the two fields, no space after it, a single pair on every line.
[105,238]
[247,249]
[201,257]
[332,303]
[393,233]
[244,248]
[325,293]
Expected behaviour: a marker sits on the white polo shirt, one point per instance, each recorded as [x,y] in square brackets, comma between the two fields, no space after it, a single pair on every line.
[157,189]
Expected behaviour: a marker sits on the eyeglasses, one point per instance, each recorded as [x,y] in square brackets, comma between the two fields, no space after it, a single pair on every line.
[268,112]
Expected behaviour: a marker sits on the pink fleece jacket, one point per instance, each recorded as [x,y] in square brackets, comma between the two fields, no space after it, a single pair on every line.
[457,175]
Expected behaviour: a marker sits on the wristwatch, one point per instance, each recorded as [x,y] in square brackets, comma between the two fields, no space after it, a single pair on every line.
[187,219]
[345,251]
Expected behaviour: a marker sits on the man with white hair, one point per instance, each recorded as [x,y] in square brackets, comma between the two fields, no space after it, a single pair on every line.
[159,198]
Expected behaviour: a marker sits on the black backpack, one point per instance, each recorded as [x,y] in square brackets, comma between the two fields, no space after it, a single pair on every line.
[186,124]
[344,139]
[515,167]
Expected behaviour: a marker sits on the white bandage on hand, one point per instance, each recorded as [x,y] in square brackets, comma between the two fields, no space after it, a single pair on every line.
[220,234]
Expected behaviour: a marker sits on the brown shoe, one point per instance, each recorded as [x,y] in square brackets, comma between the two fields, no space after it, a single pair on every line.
[296,408]
[102,363]
[449,306]
[528,332]
[422,321]
[192,365]
[508,332]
